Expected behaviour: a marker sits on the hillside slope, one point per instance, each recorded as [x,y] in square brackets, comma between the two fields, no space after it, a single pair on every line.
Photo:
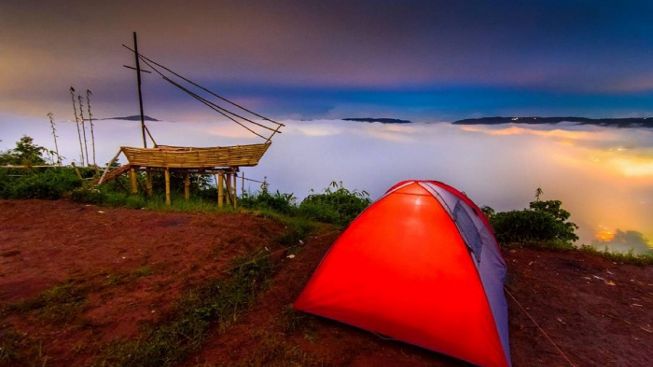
[75,280]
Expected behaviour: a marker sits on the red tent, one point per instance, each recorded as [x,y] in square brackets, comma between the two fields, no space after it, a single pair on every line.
[420,265]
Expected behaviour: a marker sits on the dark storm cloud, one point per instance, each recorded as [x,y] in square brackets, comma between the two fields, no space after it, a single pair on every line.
[581,47]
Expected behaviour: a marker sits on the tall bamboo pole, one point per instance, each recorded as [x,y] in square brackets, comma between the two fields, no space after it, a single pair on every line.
[54,136]
[140,94]
[79,134]
[148,175]
[90,120]
[81,118]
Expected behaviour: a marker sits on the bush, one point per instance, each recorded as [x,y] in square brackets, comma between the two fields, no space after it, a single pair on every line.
[51,183]
[336,204]
[529,227]
[544,223]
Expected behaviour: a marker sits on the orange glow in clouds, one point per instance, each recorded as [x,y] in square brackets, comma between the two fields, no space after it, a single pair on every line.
[604,235]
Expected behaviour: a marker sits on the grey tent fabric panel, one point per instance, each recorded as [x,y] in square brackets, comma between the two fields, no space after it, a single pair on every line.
[492,271]
[468,230]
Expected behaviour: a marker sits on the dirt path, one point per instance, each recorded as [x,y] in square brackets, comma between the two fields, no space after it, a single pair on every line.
[84,276]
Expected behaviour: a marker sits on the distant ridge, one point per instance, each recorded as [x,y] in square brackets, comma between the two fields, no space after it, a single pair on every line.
[534,120]
[131,118]
[382,120]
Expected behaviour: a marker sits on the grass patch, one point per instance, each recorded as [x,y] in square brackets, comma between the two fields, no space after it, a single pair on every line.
[17,349]
[64,302]
[143,271]
[296,322]
[60,304]
[122,278]
[276,351]
[109,197]
[183,331]
[620,257]
[547,245]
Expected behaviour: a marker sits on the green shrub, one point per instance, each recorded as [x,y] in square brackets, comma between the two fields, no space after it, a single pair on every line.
[529,227]
[336,204]
[319,211]
[51,183]
[545,223]
[88,195]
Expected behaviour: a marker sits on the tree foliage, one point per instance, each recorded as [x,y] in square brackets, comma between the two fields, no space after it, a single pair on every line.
[25,153]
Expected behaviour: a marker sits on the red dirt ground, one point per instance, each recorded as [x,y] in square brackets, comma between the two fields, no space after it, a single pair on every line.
[45,243]
[598,312]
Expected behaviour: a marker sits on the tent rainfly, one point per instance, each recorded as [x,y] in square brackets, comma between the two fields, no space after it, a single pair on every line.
[420,265]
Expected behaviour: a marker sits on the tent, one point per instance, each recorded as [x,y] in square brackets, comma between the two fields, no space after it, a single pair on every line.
[420,265]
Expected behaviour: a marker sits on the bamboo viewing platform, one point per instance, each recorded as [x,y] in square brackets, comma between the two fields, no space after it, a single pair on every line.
[165,156]
[222,161]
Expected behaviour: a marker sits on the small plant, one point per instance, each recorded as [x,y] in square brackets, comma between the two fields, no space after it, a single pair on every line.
[263,200]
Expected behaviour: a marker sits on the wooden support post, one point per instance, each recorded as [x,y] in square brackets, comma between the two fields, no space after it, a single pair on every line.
[220,184]
[148,182]
[133,180]
[235,191]
[186,186]
[167,177]
[228,188]
[242,184]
